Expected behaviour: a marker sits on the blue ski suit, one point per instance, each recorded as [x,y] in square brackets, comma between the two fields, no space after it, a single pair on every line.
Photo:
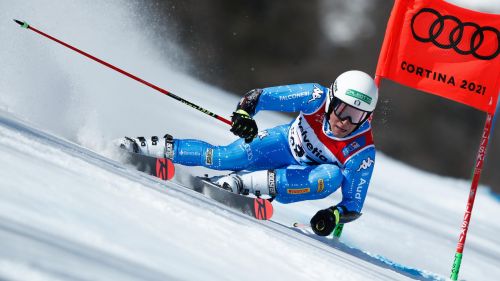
[308,161]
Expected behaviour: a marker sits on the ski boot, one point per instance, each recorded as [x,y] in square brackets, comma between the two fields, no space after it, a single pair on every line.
[232,182]
[256,183]
[154,146]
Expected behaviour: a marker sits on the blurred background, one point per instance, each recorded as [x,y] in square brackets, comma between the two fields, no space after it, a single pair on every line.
[239,45]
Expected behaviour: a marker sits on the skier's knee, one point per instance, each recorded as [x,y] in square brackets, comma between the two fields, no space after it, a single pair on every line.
[327,179]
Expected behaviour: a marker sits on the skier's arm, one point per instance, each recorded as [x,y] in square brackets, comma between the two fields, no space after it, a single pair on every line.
[290,98]
[357,174]
[356,178]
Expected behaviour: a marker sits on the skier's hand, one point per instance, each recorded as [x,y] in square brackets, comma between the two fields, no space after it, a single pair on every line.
[324,221]
[243,125]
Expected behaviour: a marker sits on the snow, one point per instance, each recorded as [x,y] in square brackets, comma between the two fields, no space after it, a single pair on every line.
[486,6]
[70,211]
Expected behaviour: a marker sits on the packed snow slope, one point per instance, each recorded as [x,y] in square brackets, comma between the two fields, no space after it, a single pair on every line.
[70,214]
[67,213]
[70,211]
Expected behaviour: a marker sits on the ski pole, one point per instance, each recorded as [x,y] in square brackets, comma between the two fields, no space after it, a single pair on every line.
[300,225]
[163,91]
[337,231]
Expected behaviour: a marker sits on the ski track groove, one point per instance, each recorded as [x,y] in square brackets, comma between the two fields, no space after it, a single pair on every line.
[77,250]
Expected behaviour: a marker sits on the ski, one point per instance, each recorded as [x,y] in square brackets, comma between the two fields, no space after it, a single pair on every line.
[164,169]
[259,208]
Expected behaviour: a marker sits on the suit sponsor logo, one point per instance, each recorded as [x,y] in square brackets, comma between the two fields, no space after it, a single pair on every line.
[321,185]
[263,134]
[316,94]
[353,146]
[367,163]
[298,147]
[298,191]
[359,188]
[294,96]
[248,150]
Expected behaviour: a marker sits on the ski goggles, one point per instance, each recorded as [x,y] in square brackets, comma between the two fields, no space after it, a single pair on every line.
[344,111]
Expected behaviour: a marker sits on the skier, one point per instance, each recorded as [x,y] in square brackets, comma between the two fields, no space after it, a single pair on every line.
[329,145]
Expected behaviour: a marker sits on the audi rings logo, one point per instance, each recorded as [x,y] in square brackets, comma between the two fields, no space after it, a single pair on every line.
[446,32]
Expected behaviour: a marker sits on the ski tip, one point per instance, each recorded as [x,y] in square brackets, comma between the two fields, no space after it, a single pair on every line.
[165,169]
[21,23]
[171,169]
[263,209]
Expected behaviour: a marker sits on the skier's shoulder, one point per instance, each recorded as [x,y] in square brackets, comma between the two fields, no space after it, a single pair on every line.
[304,88]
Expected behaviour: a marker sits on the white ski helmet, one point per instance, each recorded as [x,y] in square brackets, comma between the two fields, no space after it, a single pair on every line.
[354,88]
